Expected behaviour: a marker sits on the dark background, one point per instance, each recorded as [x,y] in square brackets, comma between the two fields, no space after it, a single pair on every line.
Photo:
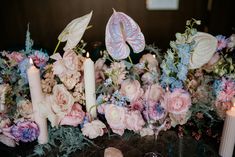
[48,18]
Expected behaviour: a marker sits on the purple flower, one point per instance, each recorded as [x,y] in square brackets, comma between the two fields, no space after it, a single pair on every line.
[39,58]
[221,42]
[26,131]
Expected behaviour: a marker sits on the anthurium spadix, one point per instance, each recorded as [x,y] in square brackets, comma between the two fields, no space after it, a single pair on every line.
[120,30]
[74,31]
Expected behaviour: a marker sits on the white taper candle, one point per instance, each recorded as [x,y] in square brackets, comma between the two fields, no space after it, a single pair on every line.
[228,135]
[37,97]
[89,78]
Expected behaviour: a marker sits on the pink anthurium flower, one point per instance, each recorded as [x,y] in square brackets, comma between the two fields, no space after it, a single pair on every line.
[120,30]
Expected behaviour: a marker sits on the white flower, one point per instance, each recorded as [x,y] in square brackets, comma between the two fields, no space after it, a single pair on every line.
[146,132]
[74,31]
[93,129]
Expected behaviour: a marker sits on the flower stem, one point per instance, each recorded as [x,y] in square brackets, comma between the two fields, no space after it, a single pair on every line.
[130,59]
[57,46]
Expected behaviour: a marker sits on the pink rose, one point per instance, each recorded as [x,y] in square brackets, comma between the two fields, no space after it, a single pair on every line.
[176,102]
[116,116]
[15,57]
[131,89]
[154,93]
[93,129]
[74,117]
[69,63]
[70,60]
[134,121]
[179,118]
[99,70]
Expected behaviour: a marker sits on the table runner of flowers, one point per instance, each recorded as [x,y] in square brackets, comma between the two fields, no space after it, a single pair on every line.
[188,85]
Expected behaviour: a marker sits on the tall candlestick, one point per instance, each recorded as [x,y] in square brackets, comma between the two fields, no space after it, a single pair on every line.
[228,136]
[89,78]
[37,97]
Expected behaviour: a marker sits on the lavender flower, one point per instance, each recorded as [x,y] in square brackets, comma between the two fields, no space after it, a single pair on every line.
[26,131]
[222,42]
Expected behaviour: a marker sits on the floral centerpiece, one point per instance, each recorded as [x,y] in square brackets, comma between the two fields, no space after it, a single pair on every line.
[191,82]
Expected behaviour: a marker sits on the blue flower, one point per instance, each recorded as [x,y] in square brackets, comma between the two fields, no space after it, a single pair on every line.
[183,48]
[160,110]
[99,99]
[176,84]
[23,66]
[217,87]
[182,71]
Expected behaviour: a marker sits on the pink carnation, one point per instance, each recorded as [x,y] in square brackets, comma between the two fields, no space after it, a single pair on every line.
[75,116]
[176,102]
[15,56]
[137,105]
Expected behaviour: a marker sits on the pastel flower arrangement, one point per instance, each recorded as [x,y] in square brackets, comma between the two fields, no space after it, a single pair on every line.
[162,91]
[17,122]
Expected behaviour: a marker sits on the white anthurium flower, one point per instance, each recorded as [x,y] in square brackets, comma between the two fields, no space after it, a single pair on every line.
[74,31]
[204,49]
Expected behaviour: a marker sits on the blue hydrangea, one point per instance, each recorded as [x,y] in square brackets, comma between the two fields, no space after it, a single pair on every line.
[217,87]
[160,110]
[22,67]
[176,84]
[182,71]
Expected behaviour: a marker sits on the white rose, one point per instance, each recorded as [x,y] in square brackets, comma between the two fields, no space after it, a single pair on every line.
[93,129]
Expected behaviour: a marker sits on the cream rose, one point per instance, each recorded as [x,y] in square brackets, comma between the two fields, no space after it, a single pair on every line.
[93,129]
[62,101]
[154,93]
[179,118]
[134,121]
[131,89]
[152,63]
[25,108]
[70,79]
[176,102]
[115,116]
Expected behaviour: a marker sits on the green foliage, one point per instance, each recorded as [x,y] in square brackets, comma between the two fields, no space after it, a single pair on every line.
[62,142]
